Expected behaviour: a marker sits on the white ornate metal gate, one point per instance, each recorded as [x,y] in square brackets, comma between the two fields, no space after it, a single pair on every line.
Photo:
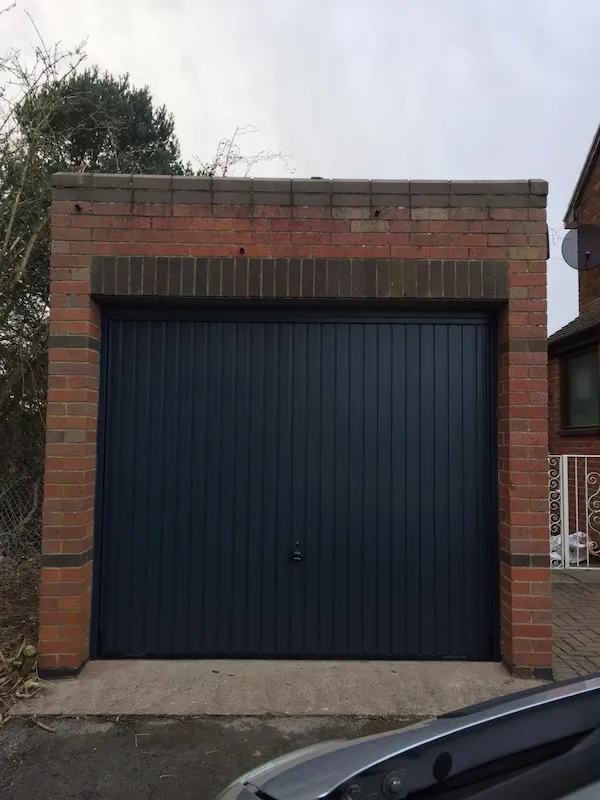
[574,494]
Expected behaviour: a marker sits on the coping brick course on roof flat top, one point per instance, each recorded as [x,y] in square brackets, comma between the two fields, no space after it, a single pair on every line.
[100,187]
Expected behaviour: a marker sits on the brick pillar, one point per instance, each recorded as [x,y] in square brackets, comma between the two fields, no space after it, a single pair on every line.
[526,630]
[65,593]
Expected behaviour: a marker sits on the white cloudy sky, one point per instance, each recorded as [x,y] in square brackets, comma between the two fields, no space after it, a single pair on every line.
[363,88]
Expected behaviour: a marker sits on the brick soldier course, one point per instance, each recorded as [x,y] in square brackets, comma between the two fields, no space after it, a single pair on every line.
[423,243]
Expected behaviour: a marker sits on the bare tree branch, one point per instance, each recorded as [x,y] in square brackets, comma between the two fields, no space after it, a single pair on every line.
[8,8]
[24,224]
[54,116]
[229,159]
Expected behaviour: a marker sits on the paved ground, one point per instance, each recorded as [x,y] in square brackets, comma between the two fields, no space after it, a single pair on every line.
[152,759]
[576,620]
[189,754]
[405,689]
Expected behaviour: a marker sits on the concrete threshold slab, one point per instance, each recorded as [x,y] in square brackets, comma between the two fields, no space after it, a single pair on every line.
[405,689]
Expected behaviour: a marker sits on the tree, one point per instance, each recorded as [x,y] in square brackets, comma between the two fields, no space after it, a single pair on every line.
[96,122]
[54,117]
[24,260]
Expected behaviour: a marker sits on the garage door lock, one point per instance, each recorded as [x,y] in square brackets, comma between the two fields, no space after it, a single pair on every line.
[297,555]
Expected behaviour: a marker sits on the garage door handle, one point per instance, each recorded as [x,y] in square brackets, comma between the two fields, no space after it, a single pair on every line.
[297,555]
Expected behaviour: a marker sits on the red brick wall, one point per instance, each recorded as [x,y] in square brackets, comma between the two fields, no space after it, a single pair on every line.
[523,476]
[589,214]
[563,445]
[589,296]
[580,490]
[555,442]
[70,468]
[464,232]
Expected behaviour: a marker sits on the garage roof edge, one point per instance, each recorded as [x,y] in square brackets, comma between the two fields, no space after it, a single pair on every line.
[97,187]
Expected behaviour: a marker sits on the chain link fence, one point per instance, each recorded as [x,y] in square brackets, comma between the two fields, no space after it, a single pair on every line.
[20,521]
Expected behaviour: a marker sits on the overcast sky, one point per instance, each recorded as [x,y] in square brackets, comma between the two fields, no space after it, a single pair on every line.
[362,88]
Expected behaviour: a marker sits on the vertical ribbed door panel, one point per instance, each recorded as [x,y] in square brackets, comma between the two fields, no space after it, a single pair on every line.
[296,486]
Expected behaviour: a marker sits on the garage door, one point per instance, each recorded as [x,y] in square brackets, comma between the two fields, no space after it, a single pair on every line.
[296,484]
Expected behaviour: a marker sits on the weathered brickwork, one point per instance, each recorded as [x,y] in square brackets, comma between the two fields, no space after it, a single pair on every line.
[422,242]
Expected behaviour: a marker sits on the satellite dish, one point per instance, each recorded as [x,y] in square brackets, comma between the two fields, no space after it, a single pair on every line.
[581,247]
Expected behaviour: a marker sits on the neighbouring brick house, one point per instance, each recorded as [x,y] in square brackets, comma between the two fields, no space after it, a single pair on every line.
[300,418]
[574,371]
[573,368]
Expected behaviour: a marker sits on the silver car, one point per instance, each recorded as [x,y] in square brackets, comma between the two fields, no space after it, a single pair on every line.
[541,744]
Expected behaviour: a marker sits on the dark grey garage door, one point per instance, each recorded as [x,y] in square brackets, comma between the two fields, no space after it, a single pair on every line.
[296,484]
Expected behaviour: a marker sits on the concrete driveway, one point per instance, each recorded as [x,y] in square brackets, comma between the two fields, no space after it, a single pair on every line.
[152,759]
[185,729]
[402,689]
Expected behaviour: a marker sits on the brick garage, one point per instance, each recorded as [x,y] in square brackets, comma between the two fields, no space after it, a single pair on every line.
[414,255]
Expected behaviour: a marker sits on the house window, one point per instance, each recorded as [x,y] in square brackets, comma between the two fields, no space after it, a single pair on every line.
[581,399]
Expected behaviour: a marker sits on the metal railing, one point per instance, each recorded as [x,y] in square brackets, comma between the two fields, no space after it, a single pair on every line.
[574,519]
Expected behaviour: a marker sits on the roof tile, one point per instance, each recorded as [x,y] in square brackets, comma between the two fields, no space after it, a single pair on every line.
[584,322]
